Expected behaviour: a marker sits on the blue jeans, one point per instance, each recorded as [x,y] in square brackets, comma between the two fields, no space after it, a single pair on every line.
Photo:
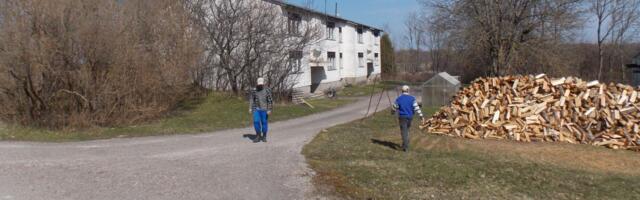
[260,122]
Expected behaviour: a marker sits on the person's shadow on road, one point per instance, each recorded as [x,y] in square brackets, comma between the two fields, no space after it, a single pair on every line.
[251,137]
[391,145]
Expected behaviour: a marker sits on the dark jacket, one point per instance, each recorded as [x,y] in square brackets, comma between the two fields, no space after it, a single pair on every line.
[261,100]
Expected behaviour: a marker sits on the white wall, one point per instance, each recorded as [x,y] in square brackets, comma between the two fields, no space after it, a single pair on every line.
[349,47]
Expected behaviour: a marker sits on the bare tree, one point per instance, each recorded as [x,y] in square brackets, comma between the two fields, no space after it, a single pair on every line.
[246,39]
[603,10]
[626,18]
[71,63]
[615,21]
[309,4]
[503,34]
[415,38]
[438,43]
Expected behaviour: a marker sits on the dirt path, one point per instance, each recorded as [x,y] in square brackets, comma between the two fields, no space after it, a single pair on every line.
[220,165]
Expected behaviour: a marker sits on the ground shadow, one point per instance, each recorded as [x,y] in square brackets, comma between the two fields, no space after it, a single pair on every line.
[250,136]
[391,145]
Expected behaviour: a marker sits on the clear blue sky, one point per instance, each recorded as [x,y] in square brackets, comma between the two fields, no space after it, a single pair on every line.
[385,14]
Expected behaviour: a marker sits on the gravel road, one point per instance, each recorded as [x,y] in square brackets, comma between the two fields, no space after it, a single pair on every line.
[218,165]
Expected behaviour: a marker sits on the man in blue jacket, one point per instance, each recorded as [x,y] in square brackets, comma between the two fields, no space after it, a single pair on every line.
[406,106]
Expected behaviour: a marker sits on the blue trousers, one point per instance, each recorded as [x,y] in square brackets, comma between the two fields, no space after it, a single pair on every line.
[260,122]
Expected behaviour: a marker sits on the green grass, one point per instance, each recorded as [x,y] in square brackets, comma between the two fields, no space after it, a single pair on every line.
[215,112]
[366,90]
[348,160]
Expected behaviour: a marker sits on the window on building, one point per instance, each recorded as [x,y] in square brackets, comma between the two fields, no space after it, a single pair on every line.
[340,34]
[360,35]
[293,23]
[361,60]
[331,26]
[331,57]
[340,62]
[295,61]
[376,37]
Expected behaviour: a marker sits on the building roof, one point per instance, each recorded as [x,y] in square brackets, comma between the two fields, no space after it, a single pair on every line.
[444,76]
[332,17]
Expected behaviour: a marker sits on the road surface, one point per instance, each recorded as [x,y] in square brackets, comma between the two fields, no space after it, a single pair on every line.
[218,165]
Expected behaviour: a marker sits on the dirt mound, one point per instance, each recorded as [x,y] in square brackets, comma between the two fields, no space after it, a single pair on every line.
[539,108]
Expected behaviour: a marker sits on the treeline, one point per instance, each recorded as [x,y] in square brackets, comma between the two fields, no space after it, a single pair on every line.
[582,58]
[82,63]
[475,38]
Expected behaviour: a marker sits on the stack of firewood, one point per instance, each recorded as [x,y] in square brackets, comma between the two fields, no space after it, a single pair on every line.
[542,109]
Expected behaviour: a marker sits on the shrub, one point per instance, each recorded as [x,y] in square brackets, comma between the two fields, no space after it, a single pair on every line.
[78,63]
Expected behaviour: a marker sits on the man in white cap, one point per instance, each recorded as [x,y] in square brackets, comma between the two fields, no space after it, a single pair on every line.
[406,106]
[260,105]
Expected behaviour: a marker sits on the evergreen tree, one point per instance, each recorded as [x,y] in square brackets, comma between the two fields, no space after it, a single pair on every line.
[387,56]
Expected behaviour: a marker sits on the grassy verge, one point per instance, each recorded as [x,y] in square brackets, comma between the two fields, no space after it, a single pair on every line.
[365,90]
[215,112]
[360,160]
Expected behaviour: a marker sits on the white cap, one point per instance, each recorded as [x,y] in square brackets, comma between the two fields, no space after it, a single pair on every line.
[405,88]
[260,81]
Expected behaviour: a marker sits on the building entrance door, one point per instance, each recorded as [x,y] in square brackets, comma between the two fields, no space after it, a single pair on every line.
[369,69]
[317,75]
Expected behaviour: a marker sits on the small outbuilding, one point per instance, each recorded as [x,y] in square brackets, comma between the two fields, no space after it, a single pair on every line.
[439,90]
[634,67]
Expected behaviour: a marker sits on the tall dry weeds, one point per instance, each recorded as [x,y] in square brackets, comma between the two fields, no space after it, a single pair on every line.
[78,63]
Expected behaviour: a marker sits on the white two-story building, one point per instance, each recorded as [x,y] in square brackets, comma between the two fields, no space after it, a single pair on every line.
[348,53]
